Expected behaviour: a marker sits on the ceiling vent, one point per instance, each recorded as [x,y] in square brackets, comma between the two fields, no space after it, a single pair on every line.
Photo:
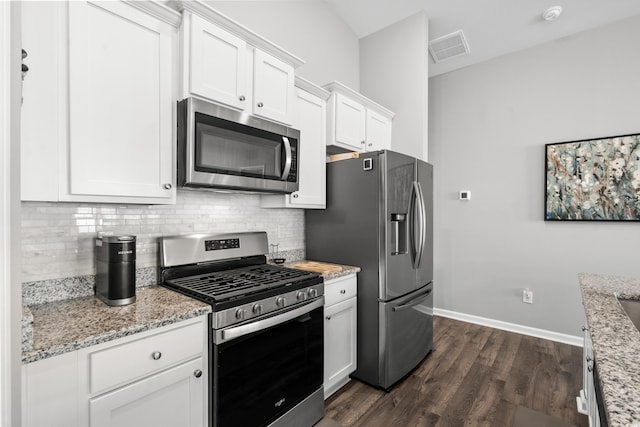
[448,47]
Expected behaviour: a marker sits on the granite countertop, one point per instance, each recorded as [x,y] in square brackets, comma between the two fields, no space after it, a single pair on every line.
[62,326]
[616,344]
[328,270]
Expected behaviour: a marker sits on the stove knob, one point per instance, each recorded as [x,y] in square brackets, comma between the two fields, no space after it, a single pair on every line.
[301,295]
[241,313]
[281,301]
[257,309]
[312,293]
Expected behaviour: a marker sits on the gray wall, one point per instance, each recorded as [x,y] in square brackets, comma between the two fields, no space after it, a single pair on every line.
[488,126]
[394,73]
[309,30]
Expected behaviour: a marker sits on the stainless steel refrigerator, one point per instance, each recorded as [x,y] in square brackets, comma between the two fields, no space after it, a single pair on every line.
[379,217]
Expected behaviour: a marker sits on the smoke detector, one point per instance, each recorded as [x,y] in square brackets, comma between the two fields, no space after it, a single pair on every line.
[448,47]
[552,13]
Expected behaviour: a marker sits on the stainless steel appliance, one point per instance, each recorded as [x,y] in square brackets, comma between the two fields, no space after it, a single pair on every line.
[267,336]
[379,217]
[221,148]
[116,269]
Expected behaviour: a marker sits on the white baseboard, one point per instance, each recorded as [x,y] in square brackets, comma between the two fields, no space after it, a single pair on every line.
[511,327]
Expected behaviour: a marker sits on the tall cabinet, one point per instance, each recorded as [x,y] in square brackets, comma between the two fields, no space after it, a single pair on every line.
[310,119]
[98,114]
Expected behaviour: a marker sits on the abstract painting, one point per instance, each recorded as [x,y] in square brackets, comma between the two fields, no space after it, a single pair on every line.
[593,180]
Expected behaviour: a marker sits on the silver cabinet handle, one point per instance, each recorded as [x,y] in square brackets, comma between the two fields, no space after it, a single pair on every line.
[241,98]
[167,186]
[197,373]
[260,105]
[156,355]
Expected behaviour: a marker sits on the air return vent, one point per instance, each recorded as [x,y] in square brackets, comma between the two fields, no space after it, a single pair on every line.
[448,47]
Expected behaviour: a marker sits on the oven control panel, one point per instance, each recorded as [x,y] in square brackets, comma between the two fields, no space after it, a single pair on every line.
[266,306]
[216,245]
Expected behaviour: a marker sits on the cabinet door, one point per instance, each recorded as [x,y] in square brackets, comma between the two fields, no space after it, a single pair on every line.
[273,88]
[50,392]
[218,64]
[349,124]
[120,101]
[311,121]
[174,397]
[378,132]
[339,344]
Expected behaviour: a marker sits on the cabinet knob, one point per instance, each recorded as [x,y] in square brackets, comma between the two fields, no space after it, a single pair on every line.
[294,195]
[362,142]
[260,105]
[342,291]
[156,355]
[328,317]
[370,144]
[241,98]
[167,186]
[584,328]
[197,373]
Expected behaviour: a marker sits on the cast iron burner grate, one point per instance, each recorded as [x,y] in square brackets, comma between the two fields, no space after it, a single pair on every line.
[227,284]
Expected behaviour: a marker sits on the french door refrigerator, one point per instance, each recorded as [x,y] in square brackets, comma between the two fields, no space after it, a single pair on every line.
[379,217]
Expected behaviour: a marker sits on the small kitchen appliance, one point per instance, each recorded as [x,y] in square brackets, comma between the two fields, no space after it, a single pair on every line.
[116,269]
[266,344]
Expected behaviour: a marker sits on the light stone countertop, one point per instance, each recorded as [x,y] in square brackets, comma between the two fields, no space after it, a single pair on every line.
[616,344]
[63,326]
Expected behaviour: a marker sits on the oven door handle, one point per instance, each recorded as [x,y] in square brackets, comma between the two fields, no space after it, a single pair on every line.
[238,331]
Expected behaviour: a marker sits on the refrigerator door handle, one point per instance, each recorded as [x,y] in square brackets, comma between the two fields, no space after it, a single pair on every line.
[417,300]
[418,208]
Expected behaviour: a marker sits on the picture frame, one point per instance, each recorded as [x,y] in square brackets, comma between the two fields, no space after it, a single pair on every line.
[593,179]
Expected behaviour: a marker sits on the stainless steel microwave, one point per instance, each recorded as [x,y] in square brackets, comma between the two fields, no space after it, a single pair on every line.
[221,148]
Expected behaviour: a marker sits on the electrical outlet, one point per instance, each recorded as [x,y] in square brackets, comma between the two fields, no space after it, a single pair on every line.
[527,296]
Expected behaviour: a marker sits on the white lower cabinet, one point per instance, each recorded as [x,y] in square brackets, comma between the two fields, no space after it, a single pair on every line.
[340,340]
[156,378]
[171,398]
[588,404]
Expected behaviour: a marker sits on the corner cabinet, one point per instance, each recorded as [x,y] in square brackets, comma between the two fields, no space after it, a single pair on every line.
[340,329]
[98,111]
[588,400]
[356,123]
[158,377]
[310,119]
[226,63]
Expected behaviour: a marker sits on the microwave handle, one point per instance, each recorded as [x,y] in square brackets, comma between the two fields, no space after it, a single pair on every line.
[287,162]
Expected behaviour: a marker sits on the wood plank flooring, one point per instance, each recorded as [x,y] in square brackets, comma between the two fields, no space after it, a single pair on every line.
[476,376]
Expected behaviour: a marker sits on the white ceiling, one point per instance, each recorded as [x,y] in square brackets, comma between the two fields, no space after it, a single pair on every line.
[491,27]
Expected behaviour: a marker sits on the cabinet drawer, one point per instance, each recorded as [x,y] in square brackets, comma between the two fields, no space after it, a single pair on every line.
[132,360]
[340,289]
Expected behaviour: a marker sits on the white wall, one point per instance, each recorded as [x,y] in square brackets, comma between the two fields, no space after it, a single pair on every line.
[394,73]
[488,126]
[309,30]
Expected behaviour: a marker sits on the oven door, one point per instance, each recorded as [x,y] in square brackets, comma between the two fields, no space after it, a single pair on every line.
[260,370]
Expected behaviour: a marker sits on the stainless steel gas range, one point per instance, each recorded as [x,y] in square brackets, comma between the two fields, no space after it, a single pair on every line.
[267,340]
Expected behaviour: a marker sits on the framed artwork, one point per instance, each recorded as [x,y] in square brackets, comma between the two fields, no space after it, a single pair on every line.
[593,180]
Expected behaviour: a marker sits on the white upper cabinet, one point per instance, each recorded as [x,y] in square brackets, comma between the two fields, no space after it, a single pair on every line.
[273,88]
[226,63]
[218,63]
[109,131]
[356,123]
[310,119]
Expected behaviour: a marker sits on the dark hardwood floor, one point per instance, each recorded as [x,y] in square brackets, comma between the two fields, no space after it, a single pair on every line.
[476,376]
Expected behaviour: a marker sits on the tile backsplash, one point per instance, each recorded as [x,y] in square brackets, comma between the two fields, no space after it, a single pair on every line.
[58,238]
